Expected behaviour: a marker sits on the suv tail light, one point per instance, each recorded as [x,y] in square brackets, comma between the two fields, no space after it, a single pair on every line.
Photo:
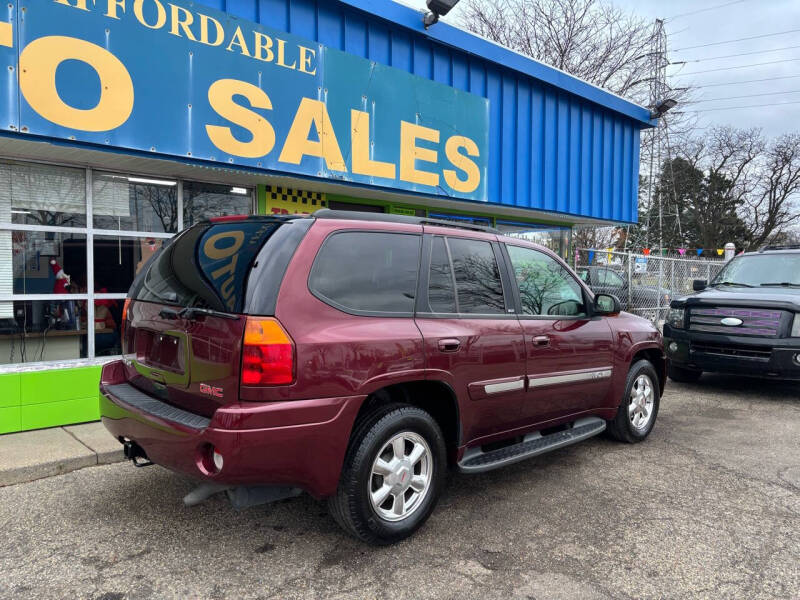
[267,353]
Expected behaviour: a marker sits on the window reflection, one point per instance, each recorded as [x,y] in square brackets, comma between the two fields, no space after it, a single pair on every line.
[134,203]
[205,200]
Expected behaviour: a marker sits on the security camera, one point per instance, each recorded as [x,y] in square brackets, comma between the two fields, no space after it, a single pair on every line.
[438,8]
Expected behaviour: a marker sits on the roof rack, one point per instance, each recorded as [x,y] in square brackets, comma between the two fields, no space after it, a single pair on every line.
[783,247]
[327,213]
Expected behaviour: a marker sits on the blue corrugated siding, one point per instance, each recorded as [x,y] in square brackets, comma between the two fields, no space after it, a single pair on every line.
[548,149]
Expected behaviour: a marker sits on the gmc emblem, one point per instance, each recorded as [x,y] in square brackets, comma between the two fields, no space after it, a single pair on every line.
[208,390]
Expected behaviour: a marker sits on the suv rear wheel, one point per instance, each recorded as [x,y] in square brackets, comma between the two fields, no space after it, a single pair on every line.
[392,476]
[639,407]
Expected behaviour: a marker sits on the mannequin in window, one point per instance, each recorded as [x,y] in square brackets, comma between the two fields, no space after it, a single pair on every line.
[62,312]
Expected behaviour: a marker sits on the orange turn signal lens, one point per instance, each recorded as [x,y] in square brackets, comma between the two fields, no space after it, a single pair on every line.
[263,331]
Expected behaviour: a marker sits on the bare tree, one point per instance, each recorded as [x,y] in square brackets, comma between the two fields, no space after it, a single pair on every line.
[592,236]
[772,208]
[591,39]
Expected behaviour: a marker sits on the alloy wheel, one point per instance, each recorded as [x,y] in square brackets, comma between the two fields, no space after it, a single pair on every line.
[401,476]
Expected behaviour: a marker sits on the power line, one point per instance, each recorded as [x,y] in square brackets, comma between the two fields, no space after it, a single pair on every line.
[747,96]
[707,85]
[737,107]
[694,12]
[771,62]
[696,60]
[752,37]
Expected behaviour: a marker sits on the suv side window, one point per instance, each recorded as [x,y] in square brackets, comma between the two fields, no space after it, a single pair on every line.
[608,277]
[546,287]
[366,272]
[479,288]
[441,285]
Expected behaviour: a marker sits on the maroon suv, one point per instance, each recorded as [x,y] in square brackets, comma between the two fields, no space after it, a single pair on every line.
[356,356]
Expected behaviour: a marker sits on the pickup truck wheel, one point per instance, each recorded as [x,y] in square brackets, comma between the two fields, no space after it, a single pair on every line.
[682,375]
[639,407]
[392,476]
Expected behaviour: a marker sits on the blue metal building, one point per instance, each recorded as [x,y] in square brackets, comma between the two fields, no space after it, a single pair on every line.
[556,143]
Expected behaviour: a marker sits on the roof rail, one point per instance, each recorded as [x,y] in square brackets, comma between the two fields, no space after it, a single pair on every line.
[780,247]
[327,213]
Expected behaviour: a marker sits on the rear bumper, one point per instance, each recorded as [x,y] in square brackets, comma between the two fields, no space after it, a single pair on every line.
[754,357]
[294,443]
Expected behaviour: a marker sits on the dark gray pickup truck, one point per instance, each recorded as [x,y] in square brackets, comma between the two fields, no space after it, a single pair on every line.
[608,280]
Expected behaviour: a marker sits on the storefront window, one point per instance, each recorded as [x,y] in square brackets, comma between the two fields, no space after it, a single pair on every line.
[45,262]
[117,261]
[45,235]
[203,200]
[42,195]
[131,203]
[44,331]
[555,238]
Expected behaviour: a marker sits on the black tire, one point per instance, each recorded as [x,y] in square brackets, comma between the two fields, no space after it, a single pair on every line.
[683,375]
[352,506]
[622,427]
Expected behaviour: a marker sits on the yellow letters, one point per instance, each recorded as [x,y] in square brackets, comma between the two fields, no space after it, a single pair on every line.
[220,32]
[38,63]
[161,14]
[306,56]
[263,44]
[113,5]
[220,96]
[359,138]
[461,162]
[181,19]
[282,56]
[238,40]
[81,4]
[410,153]
[312,112]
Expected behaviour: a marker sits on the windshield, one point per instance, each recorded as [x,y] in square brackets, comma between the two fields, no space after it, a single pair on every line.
[761,270]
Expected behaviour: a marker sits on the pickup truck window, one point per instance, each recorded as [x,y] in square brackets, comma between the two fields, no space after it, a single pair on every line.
[609,278]
[546,288]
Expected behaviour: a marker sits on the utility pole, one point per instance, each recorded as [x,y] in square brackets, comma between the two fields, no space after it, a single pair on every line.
[658,92]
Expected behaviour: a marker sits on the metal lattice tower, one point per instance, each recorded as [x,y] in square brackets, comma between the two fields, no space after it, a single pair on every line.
[658,92]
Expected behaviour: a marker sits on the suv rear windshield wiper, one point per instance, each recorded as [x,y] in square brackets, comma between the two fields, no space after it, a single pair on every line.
[731,283]
[190,313]
[781,284]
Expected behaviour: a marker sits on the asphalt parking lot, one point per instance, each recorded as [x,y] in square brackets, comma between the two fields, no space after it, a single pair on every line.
[708,507]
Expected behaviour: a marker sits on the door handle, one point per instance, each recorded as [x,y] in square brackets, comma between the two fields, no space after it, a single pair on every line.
[541,340]
[449,345]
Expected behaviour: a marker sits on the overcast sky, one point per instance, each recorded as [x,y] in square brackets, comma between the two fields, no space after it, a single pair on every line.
[745,18]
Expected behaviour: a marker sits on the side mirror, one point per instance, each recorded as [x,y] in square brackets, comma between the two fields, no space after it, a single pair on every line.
[698,285]
[607,304]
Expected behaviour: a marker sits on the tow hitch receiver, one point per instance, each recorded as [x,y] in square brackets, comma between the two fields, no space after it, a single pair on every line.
[135,453]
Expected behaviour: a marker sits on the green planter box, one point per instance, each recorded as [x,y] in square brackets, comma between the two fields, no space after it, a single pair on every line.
[38,399]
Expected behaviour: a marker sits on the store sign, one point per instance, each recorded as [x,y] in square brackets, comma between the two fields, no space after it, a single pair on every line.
[181,79]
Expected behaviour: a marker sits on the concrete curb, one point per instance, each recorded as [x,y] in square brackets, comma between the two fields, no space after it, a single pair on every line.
[32,455]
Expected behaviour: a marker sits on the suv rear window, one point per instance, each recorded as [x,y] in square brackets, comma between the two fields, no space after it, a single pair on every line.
[207,266]
[366,272]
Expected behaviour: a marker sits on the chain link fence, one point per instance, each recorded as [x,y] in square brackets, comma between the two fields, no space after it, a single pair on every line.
[644,284]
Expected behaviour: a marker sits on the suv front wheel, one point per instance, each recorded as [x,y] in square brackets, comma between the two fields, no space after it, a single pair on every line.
[392,476]
[639,407]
